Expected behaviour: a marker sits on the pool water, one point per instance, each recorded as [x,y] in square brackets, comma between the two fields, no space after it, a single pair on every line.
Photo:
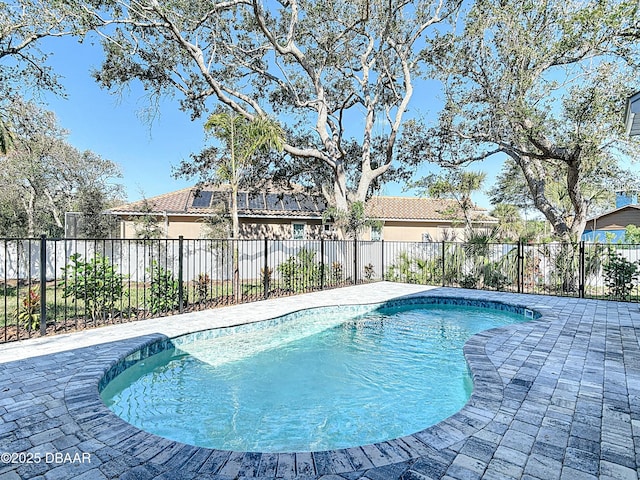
[315,383]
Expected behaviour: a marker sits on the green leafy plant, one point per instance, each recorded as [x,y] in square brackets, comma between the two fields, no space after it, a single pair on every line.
[632,234]
[164,289]
[410,269]
[266,274]
[300,272]
[337,273]
[95,282]
[494,278]
[28,313]
[202,286]
[369,272]
[469,281]
[620,276]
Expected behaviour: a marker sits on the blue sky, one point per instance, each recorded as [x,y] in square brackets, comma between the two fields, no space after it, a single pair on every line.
[111,126]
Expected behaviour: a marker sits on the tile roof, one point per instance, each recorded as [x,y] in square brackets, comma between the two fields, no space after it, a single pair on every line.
[408,208]
[210,200]
[293,204]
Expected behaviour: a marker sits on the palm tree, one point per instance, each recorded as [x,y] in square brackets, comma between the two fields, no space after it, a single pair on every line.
[243,138]
[510,221]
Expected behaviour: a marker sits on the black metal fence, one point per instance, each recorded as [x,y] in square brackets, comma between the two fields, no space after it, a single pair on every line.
[57,285]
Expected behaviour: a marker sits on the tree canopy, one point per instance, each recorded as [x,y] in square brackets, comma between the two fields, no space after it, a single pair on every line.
[336,71]
[544,82]
[43,176]
[23,65]
[234,165]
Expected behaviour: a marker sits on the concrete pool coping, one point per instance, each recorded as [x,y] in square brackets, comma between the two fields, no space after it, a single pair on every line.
[558,397]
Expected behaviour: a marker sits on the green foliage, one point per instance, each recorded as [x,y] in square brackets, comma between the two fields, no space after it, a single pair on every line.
[469,281]
[493,277]
[234,165]
[202,286]
[321,51]
[352,221]
[609,237]
[455,184]
[337,273]
[632,234]
[28,313]
[146,225]
[417,270]
[164,289]
[92,201]
[266,275]
[95,282]
[620,276]
[300,273]
[540,83]
[42,177]
[369,271]
[510,226]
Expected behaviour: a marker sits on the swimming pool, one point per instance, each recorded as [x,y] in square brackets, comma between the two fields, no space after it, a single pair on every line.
[320,379]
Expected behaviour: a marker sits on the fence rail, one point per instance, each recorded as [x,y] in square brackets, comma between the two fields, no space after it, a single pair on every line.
[54,285]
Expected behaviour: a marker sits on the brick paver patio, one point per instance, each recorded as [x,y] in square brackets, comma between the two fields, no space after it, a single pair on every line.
[554,398]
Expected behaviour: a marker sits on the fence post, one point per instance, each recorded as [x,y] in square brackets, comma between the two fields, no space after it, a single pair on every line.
[355,261]
[321,263]
[582,271]
[382,262]
[444,249]
[520,269]
[265,271]
[180,264]
[43,285]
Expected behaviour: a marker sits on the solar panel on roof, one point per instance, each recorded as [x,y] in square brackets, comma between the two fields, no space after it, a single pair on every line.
[202,199]
[242,201]
[256,201]
[290,203]
[307,203]
[273,201]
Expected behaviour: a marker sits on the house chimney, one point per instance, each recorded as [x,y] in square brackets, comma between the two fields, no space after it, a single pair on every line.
[626,198]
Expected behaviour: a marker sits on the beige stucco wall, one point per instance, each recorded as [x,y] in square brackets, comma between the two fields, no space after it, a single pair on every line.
[281,229]
[277,229]
[400,231]
[193,227]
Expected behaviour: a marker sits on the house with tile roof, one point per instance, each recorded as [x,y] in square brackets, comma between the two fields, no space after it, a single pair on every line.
[295,214]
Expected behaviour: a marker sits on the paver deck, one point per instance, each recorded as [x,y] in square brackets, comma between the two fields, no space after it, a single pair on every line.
[554,398]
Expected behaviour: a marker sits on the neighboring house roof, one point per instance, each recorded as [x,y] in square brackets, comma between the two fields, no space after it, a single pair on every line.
[295,203]
[597,218]
[209,201]
[421,209]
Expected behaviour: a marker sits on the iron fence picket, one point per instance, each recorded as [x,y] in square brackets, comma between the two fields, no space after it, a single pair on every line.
[211,272]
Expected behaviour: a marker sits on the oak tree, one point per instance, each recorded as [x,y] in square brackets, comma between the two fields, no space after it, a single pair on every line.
[544,83]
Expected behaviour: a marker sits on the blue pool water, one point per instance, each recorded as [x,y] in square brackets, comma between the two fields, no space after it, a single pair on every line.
[315,383]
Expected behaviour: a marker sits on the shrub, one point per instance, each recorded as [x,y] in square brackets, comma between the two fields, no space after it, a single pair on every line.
[494,277]
[265,275]
[28,313]
[337,273]
[165,289]
[300,272]
[202,286]
[620,276]
[469,281]
[369,272]
[95,282]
